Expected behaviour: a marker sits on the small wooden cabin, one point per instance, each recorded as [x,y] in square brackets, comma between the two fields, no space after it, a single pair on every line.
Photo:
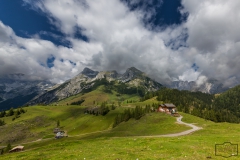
[168,108]
[61,134]
[17,149]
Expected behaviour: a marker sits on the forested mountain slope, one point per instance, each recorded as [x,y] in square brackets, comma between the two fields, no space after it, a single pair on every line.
[223,108]
[229,100]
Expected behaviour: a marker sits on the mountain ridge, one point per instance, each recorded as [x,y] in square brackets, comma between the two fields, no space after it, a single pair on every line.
[16,91]
[210,86]
[88,78]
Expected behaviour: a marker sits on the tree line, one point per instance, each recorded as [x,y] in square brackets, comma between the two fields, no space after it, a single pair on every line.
[223,108]
[127,114]
[103,109]
[78,102]
[15,113]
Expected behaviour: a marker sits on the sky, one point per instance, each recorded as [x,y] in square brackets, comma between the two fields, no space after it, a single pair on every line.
[55,40]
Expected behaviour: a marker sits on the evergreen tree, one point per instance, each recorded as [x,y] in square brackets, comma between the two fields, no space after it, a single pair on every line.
[58,123]
[22,110]
[2,122]
[10,112]
[117,121]
[8,148]
[2,114]
[113,107]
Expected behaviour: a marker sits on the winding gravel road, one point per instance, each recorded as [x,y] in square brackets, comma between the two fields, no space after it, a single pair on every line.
[179,120]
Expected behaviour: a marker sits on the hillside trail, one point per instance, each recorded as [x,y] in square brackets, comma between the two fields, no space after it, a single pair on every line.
[179,121]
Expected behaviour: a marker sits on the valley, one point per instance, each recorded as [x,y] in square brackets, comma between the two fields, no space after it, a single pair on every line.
[119,80]
[101,145]
[89,117]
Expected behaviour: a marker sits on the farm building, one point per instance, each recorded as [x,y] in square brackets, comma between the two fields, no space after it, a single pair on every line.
[60,134]
[168,108]
[16,149]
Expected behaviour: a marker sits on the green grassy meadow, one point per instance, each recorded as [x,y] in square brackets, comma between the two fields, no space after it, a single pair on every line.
[198,145]
[92,137]
[98,96]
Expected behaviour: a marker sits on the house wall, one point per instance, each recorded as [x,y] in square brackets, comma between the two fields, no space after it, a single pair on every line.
[165,109]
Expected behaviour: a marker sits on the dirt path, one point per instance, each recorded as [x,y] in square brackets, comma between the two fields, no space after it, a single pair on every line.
[179,120]
[90,133]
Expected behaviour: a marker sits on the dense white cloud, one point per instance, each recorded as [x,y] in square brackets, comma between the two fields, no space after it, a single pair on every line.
[118,39]
[213,29]
[29,56]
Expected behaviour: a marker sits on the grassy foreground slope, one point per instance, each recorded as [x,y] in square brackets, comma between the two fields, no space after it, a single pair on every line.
[39,121]
[199,145]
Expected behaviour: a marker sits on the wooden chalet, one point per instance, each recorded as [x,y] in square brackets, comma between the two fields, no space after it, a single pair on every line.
[168,108]
[61,134]
[17,149]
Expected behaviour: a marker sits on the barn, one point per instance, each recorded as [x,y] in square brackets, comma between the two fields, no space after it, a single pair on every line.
[168,108]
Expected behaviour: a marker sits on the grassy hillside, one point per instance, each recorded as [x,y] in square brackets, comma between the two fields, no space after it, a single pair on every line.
[199,145]
[98,96]
[92,137]
[39,121]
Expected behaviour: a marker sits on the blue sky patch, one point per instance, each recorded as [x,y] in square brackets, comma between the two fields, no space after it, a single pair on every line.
[195,67]
[50,61]
[26,22]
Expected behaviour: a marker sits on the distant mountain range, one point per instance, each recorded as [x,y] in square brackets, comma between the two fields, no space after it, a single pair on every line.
[210,86]
[88,78]
[16,91]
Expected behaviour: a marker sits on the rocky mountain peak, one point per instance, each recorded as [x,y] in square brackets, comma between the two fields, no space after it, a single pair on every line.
[89,73]
[131,73]
[114,74]
[134,70]
[88,78]
[210,86]
[15,91]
